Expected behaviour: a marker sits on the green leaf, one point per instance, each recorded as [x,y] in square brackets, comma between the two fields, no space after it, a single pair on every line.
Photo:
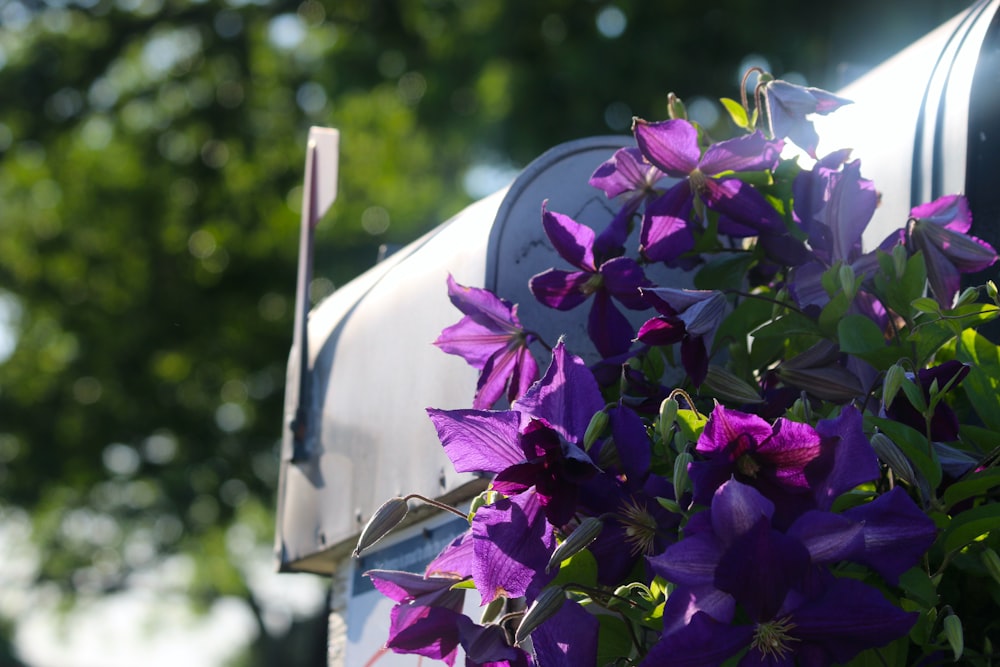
[691,423]
[919,587]
[581,568]
[970,525]
[976,484]
[736,112]
[723,271]
[926,305]
[862,338]
[982,384]
[613,641]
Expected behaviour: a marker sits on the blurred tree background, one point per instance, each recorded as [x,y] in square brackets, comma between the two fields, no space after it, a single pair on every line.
[150,165]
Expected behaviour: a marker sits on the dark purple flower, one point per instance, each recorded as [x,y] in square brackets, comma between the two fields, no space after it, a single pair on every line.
[617,279]
[940,229]
[787,108]
[944,422]
[689,317]
[672,146]
[490,337]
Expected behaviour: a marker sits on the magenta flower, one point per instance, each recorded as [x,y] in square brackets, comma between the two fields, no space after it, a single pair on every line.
[672,146]
[940,229]
[787,108]
[616,279]
[797,467]
[490,337]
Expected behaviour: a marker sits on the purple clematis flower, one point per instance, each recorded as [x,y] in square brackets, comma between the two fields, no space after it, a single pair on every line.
[797,467]
[616,279]
[940,229]
[733,558]
[672,146]
[490,337]
[787,108]
[689,317]
[629,176]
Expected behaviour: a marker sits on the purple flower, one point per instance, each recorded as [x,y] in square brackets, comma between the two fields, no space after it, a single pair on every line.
[672,146]
[490,338]
[787,108]
[797,467]
[940,229]
[629,176]
[689,317]
[618,278]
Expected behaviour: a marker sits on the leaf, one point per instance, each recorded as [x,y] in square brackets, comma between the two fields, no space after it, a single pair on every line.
[580,568]
[982,384]
[919,587]
[722,272]
[926,305]
[691,423]
[736,112]
[862,338]
[976,484]
[969,525]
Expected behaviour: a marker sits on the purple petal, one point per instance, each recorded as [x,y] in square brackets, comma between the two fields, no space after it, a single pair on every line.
[608,328]
[686,601]
[512,542]
[428,631]
[574,242]
[736,509]
[671,145]
[567,639]
[950,211]
[622,278]
[407,586]
[853,459]
[631,442]
[689,562]
[752,152]
[455,559]
[566,397]
[478,440]
[790,449]
[483,306]
[486,645]
[704,642]
[562,290]
[666,231]
[694,357]
[626,171]
[849,618]
[728,429]
[611,242]
[896,533]
[472,341]
[504,370]
[661,331]
[742,204]
[849,209]
[828,537]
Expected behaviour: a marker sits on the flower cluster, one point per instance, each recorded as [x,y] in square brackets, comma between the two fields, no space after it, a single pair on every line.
[820,485]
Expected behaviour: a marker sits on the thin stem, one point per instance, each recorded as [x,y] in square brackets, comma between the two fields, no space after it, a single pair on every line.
[439,505]
[743,87]
[761,297]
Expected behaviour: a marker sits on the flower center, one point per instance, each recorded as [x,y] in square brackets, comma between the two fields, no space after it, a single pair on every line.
[640,528]
[594,283]
[698,180]
[747,466]
[771,638]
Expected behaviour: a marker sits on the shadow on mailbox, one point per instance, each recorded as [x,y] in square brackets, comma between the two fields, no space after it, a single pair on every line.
[924,124]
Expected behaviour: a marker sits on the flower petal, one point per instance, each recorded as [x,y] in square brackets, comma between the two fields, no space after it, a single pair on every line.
[751,152]
[671,145]
[666,231]
[896,533]
[562,290]
[574,242]
[567,639]
[512,543]
[608,328]
[479,440]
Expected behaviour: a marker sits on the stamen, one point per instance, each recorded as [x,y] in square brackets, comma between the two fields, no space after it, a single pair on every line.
[771,638]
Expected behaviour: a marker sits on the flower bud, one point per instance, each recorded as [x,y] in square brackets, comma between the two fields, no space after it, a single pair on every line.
[381,524]
[675,107]
[953,633]
[668,414]
[543,608]
[968,295]
[681,478]
[899,260]
[595,428]
[847,282]
[832,383]
[578,540]
[894,378]
[991,561]
[727,385]
[893,457]
[991,291]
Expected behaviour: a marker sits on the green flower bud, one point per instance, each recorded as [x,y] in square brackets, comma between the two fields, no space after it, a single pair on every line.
[894,378]
[721,382]
[543,608]
[832,383]
[847,282]
[991,291]
[595,428]
[991,561]
[675,107]
[381,524]
[578,540]
[968,295]
[668,414]
[953,633]
[893,457]
[681,478]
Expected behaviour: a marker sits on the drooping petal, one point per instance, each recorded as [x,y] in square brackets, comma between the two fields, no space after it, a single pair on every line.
[566,397]
[479,440]
[483,306]
[751,152]
[562,290]
[949,211]
[661,331]
[428,631]
[789,104]
[402,586]
[849,208]
[503,372]
[512,542]
[667,231]
[671,145]
[608,328]
[742,204]
[574,242]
